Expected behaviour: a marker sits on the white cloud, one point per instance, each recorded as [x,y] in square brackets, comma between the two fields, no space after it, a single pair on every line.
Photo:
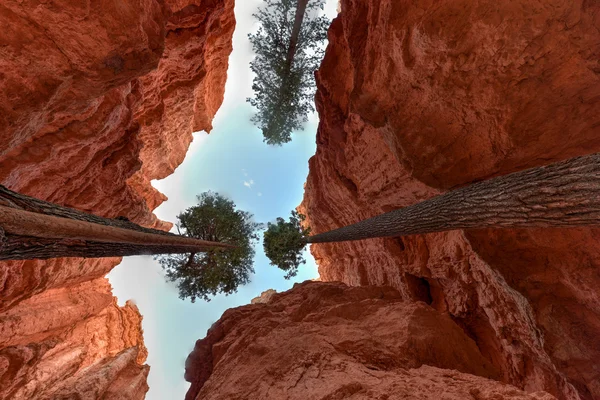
[249,183]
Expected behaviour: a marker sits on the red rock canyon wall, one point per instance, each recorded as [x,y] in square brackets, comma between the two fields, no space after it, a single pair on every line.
[72,340]
[324,340]
[419,97]
[96,100]
[416,98]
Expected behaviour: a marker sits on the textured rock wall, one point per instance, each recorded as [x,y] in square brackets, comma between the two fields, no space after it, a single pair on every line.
[330,341]
[418,97]
[66,339]
[96,100]
[126,95]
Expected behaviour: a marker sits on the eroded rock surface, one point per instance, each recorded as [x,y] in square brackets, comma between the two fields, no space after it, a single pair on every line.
[96,100]
[65,339]
[418,97]
[331,341]
[264,297]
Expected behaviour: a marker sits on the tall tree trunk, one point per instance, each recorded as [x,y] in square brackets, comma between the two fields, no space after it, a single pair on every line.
[560,195]
[27,223]
[289,60]
[298,18]
[22,202]
[31,228]
[29,248]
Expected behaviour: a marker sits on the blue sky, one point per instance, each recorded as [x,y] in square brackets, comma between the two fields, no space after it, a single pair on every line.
[234,161]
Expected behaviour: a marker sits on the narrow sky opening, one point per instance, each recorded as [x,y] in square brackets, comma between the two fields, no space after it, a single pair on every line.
[234,161]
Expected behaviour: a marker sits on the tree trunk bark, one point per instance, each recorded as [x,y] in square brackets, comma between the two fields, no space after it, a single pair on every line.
[22,202]
[296,28]
[298,18]
[34,229]
[29,248]
[26,223]
[564,194]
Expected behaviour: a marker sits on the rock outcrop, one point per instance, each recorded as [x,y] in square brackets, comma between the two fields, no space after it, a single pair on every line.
[96,100]
[264,297]
[331,341]
[419,97]
[72,340]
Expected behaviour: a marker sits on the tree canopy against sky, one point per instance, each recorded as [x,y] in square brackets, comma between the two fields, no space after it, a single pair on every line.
[284,241]
[288,47]
[563,194]
[201,275]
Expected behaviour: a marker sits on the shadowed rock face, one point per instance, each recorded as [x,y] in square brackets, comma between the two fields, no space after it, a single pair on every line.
[330,341]
[418,97]
[96,100]
[65,339]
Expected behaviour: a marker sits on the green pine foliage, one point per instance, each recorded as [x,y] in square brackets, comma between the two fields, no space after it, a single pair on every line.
[284,242]
[201,275]
[284,91]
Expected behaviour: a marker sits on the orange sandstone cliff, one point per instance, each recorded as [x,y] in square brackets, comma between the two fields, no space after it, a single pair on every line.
[326,340]
[416,98]
[72,340]
[96,100]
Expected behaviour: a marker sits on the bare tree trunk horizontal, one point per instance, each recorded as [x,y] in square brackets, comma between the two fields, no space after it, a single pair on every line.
[28,248]
[22,202]
[564,194]
[27,223]
[35,229]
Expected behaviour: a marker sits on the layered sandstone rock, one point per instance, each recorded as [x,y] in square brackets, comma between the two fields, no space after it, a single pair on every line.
[416,98]
[73,341]
[122,98]
[96,100]
[330,341]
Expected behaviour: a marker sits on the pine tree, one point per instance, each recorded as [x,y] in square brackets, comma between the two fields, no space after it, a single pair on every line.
[563,194]
[289,48]
[284,243]
[204,274]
